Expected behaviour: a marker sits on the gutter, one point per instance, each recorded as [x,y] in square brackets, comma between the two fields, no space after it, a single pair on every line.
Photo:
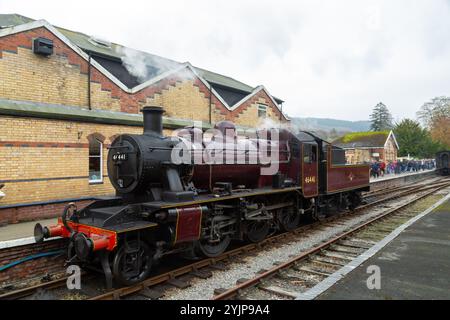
[89,83]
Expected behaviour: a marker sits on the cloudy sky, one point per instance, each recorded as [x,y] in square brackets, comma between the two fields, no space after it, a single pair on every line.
[331,58]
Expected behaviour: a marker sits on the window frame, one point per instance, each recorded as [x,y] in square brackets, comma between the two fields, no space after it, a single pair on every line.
[260,106]
[96,181]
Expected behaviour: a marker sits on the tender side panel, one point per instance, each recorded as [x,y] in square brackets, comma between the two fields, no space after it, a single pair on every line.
[345,177]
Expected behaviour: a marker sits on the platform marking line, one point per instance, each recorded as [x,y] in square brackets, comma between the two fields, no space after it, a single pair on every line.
[399,176]
[18,242]
[339,274]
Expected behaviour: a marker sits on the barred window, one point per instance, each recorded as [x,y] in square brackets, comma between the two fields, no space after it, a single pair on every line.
[95,160]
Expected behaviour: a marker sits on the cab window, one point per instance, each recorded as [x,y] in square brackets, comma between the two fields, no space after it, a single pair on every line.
[309,153]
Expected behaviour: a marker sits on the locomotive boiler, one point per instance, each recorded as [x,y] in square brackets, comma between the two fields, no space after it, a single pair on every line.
[192,195]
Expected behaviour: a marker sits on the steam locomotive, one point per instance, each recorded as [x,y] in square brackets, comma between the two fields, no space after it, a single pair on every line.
[166,202]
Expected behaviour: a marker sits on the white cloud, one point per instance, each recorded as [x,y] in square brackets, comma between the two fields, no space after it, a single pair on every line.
[325,58]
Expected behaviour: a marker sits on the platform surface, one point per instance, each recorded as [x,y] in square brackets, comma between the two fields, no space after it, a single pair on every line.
[394,176]
[415,265]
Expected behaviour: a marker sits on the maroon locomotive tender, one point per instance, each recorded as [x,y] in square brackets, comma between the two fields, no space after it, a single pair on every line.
[193,196]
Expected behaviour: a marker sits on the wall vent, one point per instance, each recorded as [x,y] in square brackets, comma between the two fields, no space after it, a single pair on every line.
[43,46]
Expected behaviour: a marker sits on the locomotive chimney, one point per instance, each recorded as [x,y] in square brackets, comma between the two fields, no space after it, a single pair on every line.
[153,120]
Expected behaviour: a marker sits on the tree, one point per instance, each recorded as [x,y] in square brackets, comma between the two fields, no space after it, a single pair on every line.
[381,118]
[435,115]
[415,141]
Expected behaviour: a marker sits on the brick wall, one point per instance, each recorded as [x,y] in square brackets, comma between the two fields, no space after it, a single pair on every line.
[35,212]
[48,159]
[32,269]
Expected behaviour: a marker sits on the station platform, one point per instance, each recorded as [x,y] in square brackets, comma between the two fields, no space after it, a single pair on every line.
[395,176]
[22,229]
[415,265]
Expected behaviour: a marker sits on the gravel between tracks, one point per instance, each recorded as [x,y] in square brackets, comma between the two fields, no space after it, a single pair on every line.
[204,289]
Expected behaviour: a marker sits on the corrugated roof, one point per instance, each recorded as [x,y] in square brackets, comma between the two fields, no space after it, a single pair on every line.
[370,139]
[225,81]
[7,20]
[222,80]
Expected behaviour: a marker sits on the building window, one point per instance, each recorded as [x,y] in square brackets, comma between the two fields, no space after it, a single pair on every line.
[262,111]
[95,161]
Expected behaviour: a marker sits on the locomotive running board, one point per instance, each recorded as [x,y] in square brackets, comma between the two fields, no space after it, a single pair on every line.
[205,199]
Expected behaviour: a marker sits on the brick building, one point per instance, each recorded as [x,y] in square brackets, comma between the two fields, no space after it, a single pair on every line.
[368,146]
[65,95]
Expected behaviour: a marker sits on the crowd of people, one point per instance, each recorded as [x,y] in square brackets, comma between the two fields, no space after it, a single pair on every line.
[380,168]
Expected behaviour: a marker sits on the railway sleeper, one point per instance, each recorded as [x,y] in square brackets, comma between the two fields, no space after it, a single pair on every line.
[333,254]
[323,266]
[313,271]
[328,260]
[297,278]
[344,248]
[356,244]
[280,291]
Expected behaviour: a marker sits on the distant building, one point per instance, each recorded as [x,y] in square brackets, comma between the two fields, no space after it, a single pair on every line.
[368,146]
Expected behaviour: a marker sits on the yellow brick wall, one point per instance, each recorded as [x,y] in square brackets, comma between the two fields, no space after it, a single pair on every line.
[182,101]
[27,76]
[48,162]
[102,100]
[30,77]
[249,117]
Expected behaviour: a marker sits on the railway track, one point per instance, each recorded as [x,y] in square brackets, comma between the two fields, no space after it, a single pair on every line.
[202,269]
[296,277]
[147,287]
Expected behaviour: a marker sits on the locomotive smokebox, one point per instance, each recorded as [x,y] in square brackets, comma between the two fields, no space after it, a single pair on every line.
[153,120]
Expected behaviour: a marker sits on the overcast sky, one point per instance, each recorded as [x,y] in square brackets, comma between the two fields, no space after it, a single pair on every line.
[333,59]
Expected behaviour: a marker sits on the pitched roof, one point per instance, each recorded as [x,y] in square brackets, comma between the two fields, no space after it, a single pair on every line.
[7,20]
[110,57]
[371,139]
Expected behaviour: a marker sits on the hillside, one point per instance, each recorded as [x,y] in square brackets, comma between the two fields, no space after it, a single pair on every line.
[330,129]
[330,124]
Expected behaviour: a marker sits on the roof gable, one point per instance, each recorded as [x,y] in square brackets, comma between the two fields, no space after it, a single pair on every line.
[392,136]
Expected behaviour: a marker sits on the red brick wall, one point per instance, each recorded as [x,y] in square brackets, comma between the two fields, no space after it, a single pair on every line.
[36,268]
[30,213]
